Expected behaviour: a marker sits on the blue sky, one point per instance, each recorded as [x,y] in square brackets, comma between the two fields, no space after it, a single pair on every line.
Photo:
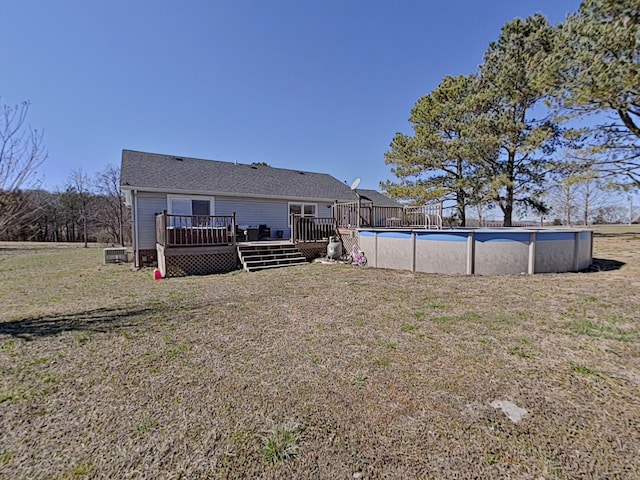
[313,85]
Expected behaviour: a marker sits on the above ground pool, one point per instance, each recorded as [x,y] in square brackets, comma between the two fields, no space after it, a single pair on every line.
[479,251]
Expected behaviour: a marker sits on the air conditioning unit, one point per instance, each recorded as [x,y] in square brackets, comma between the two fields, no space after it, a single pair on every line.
[115,255]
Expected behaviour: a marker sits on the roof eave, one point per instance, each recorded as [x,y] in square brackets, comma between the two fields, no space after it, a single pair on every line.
[229,194]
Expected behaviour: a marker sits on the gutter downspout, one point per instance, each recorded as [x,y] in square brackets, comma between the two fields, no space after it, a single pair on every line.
[136,249]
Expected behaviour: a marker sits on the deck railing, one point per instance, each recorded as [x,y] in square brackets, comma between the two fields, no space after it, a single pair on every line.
[195,230]
[346,214]
[386,217]
[311,229]
[425,216]
[356,215]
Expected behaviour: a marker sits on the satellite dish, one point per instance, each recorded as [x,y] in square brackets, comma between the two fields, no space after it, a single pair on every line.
[355,184]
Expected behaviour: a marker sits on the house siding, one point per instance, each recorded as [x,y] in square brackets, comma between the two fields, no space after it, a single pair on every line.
[148,205]
[273,213]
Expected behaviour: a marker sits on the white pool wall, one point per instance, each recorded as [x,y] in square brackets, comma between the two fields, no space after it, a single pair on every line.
[479,251]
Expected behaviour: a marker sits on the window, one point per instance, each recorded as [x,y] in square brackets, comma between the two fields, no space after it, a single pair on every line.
[200,207]
[182,205]
[295,209]
[303,209]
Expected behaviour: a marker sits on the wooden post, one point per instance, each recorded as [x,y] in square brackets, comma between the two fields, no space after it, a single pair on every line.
[292,219]
[165,228]
[233,228]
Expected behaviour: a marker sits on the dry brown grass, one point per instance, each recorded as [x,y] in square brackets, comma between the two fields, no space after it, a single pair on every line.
[108,373]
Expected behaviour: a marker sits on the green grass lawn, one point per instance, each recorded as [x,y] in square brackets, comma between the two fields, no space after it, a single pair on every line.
[320,371]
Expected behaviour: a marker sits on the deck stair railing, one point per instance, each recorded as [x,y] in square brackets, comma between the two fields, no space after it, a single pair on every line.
[195,230]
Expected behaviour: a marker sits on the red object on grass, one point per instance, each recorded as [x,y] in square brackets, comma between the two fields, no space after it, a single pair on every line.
[157,274]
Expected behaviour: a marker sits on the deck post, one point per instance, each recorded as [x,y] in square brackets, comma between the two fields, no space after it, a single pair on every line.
[292,220]
[165,222]
[165,219]
[233,228]
[162,229]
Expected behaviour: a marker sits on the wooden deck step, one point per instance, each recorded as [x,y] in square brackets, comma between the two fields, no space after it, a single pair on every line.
[270,256]
[255,268]
[256,256]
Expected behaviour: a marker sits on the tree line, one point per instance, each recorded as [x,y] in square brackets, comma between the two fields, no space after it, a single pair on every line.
[525,132]
[88,209]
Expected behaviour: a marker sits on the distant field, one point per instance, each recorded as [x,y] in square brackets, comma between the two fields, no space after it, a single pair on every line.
[320,371]
[617,229]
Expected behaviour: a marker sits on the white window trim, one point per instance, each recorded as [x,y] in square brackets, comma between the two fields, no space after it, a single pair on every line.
[212,203]
[302,205]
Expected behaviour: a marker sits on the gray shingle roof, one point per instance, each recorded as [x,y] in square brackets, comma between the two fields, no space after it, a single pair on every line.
[156,172]
[378,199]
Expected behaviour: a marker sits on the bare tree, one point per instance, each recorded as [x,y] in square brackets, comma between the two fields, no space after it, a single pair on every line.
[21,148]
[80,184]
[17,210]
[562,198]
[610,214]
[112,216]
[592,194]
[578,192]
[564,185]
[21,154]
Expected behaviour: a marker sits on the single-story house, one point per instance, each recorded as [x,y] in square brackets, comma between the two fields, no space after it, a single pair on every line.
[188,202]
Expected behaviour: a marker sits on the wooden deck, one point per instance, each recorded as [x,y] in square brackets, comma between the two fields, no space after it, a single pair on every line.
[204,244]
